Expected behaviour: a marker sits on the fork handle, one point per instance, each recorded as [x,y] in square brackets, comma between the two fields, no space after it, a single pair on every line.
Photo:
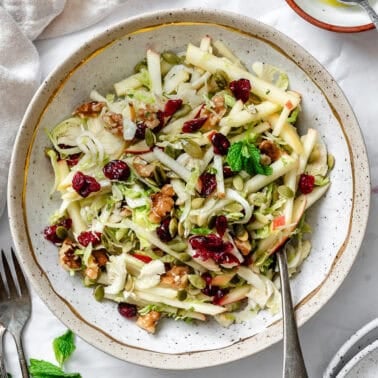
[3,372]
[21,356]
[294,365]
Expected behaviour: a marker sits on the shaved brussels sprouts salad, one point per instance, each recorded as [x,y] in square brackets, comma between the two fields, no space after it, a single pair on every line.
[177,189]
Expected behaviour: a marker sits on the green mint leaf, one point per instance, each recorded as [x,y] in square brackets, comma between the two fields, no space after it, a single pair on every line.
[255,157]
[45,369]
[234,157]
[200,231]
[63,347]
[9,375]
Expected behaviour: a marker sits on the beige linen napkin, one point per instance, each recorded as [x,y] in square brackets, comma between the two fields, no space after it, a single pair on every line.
[21,22]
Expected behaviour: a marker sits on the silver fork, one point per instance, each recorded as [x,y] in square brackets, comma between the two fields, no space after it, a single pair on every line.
[15,309]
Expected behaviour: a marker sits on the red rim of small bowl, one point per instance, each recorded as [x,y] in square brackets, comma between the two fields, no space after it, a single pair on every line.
[324,25]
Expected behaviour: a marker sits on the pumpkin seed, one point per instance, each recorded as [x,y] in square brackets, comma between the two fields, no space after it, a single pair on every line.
[159,175]
[197,203]
[172,152]
[150,137]
[170,57]
[178,246]
[193,149]
[164,67]
[173,227]
[241,233]
[182,295]
[257,199]
[197,281]
[285,191]
[99,293]
[61,232]
[183,111]
[220,79]
[181,229]
[234,207]
[330,161]
[238,183]
[140,65]
[183,256]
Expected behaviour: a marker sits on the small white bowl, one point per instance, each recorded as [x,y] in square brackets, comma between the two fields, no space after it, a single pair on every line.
[347,355]
[344,19]
[363,364]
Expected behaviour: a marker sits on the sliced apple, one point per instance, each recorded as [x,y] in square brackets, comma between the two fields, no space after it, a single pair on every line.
[299,208]
[235,295]
[222,279]
[317,163]
[138,148]
[278,222]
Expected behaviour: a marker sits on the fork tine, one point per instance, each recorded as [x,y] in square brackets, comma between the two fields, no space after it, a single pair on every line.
[3,291]
[8,276]
[20,276]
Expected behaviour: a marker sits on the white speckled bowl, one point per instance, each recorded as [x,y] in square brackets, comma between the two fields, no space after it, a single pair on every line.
[338,221]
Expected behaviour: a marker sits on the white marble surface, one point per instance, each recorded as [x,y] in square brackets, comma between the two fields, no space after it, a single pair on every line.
[352,60]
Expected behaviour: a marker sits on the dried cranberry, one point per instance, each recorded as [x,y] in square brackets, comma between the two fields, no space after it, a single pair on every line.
[213,247]
[306,183]
[219,294]
[227,258]
[207,277]
[221,225]
[87,237]
[171,107]
[116,170]
[66,223]
[144,258]
[72,160]
[127,310]
[85,185]
[50,234]
[163,230]
[221,143]
[208,183]
[140,130]
[241,89]
[193,125]
[210,291]
[210,242]
[227,172]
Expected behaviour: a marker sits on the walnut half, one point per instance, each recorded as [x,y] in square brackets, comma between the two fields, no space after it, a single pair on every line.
[89,109]
[67,256]
[149,321]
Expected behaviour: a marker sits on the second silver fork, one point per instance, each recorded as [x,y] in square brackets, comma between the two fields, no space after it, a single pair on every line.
[15,309]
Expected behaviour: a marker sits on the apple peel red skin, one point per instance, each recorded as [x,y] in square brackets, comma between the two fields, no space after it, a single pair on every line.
[287,233]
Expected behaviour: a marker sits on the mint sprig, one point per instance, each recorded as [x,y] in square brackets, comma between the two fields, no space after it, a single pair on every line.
[244,155]
[64,346]
[44,369]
